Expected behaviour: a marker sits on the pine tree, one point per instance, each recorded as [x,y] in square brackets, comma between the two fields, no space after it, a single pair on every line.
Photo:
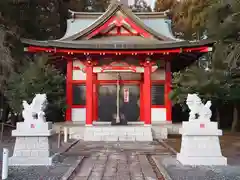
[36,77]
[190,18]
[221,83]
[164,5]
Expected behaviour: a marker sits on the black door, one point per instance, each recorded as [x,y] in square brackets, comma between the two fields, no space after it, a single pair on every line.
[130,106]
[107,108]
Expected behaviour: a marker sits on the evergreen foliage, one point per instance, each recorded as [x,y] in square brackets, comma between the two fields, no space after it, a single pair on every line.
[189,17]
[221,83]
[34,77]
[46,19]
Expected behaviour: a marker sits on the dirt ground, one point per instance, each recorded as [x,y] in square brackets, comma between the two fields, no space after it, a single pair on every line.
[230,144]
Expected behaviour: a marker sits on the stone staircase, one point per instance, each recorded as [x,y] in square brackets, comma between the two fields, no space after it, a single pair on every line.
[112,133]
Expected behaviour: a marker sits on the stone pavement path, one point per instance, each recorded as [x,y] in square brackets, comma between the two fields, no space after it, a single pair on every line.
[112,161]
[119,166]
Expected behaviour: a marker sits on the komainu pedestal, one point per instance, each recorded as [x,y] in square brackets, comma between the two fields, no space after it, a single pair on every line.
[200,144]
[32,146]
[200,137]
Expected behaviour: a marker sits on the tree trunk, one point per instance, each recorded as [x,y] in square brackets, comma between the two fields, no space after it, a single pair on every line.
[235,123]
[4,108]
[6,111]
[218,117]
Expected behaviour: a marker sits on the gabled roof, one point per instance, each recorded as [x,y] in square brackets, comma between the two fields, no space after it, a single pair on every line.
[95,15]
[111,11]
[157,21]
[154,24]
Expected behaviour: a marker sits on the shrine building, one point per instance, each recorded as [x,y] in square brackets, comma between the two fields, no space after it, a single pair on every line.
[120,65]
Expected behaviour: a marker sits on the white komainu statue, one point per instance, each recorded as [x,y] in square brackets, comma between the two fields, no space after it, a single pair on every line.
[198,110]
[35,110]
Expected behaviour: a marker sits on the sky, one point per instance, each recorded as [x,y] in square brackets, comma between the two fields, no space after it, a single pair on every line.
[150,2]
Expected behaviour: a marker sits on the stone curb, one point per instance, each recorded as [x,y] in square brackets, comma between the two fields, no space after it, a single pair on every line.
[72,169]
[162,169]
[68,147]
[63,150]
[167,146]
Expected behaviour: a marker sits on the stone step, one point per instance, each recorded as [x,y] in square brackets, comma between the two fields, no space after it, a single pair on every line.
[115,132]
[120,133]
[112,133]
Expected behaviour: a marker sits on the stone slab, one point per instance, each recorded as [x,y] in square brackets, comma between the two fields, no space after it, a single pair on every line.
[112,138]
[36,128]
[145,138]
[47,133]
[146,168]
[72,169]
[160,132]
[127,138]
[202,161]
[120,133]
[200,128]
[86,168]
[37,125]
[30,161]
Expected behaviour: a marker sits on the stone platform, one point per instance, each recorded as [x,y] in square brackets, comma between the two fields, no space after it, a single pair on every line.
[32,146]
[111,133]
[118,133]
[31,151]
[76,129]
[200,144]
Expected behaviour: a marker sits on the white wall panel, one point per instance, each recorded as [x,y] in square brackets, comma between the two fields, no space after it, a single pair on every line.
[79,114]
[159,114]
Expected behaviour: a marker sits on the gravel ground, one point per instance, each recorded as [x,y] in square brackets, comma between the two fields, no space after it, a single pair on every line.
[179,172]
[54,172]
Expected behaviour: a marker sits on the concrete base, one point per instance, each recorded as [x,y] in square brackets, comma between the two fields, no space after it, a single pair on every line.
[32,146]
[160,132]
[30,161]
[34,129]
[200,144]
[31,151]
[202,161]
[118,133]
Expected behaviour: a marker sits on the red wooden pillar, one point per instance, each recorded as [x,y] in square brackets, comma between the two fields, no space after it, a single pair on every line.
[95,97]
[168,82]
[141,99]
[147,92]
[89,93]
[68,115]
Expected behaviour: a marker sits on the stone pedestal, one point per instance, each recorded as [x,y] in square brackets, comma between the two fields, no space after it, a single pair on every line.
[200,144]
[32,146]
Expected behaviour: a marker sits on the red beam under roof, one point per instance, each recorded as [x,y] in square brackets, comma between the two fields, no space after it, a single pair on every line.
[35,49]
